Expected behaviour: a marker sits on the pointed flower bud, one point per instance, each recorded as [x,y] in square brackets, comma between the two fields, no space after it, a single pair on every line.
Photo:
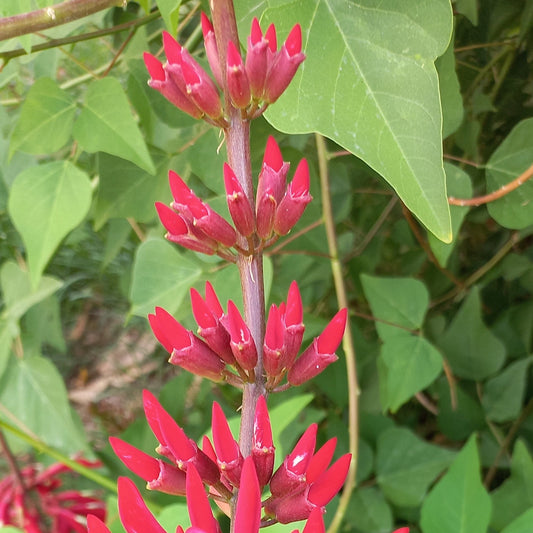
[134,514]
[95,525]
[320,461]
[158,474]
[262,444]
[294,327]
[237,81]
[294,201]
[273,348]
[180,231]
[211,49]
[198,504]
[229,457]
[321,352]
[188,351]
[248,508]
[290,476]
[211,329]
[238,203]
[242,343]
[402,530]
[256,60]
[161,81]
[315,522]
[330,482]
[284,65]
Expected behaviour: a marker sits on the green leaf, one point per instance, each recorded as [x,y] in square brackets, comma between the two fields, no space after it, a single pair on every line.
[522,524]
[458,503]
[450,93]
[468,8]
[169,10]
[412,363]
[161,277]
[515,495]
[470,347]
[126,190]
[5,344]
[107,125]
[503,395]
[45,204]
[369,512]
[19,296]
[458,185]
[43,325]
[400,301]
[34,395]
[406,466]
[45,121]
[511,158]
[370,83]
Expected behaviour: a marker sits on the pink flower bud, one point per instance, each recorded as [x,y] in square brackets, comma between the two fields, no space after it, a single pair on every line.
[402,530]
[212,300]
[158,474]
[198,504]
[262,444]
[162,81]
[211,329]
[188,351]
[229,457]
[290,476]
[256,60]
[248,508]
[284,65]
[238,203]
[292,507]
[95,525]
[242,343]
[211,49]
[315,522]
[273,348]
[237,81]
[321,352]
[294,201]
[134,514]
[320,461]
[330,482]
[294,327]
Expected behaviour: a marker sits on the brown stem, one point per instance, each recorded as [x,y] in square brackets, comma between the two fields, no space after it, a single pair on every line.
[12,462]
[51,16]
[348,344]
[495,195]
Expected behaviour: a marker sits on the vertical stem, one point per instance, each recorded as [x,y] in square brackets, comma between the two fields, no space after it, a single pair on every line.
[10,458]
[348,345]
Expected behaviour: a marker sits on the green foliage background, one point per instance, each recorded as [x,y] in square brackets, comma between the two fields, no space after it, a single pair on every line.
[420,100]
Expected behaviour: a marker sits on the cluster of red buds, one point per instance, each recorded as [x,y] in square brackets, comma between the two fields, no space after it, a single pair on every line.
[33,499]
[299,489]
[251,84]
[227,349]
[191,223]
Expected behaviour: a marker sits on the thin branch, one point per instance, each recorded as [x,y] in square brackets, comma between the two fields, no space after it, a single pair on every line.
[277,249]
[495,195]
[347,343]
[462,160]
[51,16]
[12,462]
[483,45]
[373,318]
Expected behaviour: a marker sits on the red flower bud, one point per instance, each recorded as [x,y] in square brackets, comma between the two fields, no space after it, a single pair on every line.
[238,203]
[315,522]
[321,352]
[294,201]
[229,457]
[248,508]
[273,348]
[211,49]
[198,504]
[262,444]
[320,461]
[329,483]
[237,81]
[95,525]
[242,343]
[294,327]
[256,60]
[134,514]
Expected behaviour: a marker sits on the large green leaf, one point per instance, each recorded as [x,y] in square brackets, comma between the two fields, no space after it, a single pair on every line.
[170,10]
[512,157]
[107,125]
[503,395]
[515,495]
[472,350]
[33,397]
[411,364]
[370,83]
[161,277]
[458,503]
[45,121]
[369,512]
[407,465]
[46,202]
[522,524]
[458,185]
[397,303]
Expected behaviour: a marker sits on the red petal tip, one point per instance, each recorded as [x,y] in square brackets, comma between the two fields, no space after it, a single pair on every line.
[293,44]
[331,337]
[273,157]
[154,67]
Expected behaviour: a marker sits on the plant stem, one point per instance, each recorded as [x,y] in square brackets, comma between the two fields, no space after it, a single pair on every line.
[348,345]
[51,16]
[10,458]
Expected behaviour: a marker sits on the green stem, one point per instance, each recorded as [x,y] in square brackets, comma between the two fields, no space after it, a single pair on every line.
[58,456]
[347,343]
[52,16]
